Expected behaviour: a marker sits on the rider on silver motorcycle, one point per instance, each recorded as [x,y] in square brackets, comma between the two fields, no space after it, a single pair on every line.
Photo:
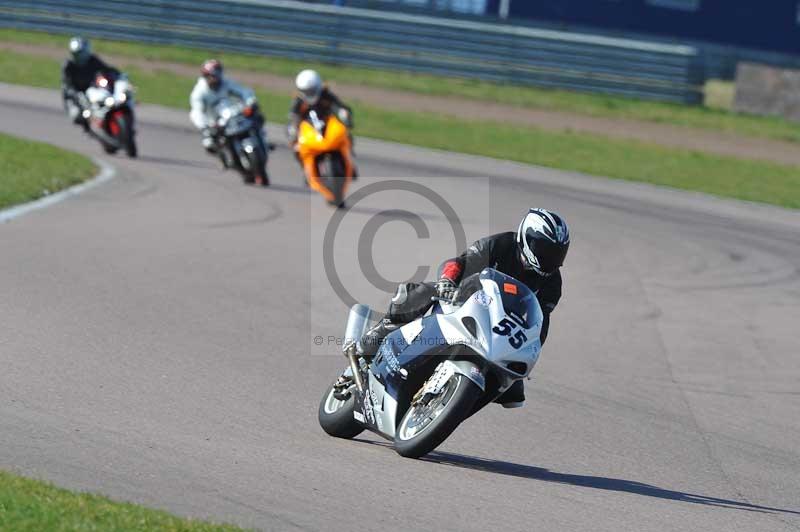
[211,88]
[533,255]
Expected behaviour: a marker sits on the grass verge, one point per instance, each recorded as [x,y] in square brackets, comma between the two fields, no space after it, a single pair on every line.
[713,117]
[29,505]
[30,170]
[593,154]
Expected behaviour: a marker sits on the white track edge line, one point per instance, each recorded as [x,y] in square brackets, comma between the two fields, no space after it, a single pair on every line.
[107,173]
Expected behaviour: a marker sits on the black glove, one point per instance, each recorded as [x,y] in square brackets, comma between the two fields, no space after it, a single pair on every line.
[445,289]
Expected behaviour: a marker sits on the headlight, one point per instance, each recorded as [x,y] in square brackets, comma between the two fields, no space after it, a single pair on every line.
[123,98]
[109,101]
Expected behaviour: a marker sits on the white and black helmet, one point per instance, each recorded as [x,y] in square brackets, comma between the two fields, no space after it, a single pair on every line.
[543,241]
[309,85]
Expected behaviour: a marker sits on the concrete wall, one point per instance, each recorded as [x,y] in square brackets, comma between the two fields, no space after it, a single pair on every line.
[767,90]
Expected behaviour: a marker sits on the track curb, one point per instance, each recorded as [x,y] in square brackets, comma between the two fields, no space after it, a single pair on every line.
[107,173]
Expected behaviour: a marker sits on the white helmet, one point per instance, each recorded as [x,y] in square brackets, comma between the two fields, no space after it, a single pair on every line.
[543,241]
[309,84]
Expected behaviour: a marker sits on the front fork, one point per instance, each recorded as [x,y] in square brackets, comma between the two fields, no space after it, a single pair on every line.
[353,359]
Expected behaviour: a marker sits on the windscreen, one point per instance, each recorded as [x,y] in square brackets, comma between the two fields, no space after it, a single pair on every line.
[467,287]
[518,301]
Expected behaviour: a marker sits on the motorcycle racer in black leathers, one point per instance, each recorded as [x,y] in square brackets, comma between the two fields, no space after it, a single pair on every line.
[533,255]
[78,74]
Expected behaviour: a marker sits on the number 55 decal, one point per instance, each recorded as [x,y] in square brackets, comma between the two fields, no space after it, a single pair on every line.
[507,327]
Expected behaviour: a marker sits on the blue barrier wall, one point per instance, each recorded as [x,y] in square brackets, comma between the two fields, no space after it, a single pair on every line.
[768,25]
[378,38]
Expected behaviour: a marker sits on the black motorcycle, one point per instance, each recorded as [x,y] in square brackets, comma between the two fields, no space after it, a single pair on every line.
[242,142]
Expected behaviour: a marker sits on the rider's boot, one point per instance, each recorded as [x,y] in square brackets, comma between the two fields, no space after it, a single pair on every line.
[514,397]
[342,385]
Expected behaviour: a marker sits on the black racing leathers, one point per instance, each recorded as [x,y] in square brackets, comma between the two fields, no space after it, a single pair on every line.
[500,252]
[77,77]
[327,104]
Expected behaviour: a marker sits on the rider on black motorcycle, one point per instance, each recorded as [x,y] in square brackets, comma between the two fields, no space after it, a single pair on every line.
[533,255]
[212,87]
[78,74]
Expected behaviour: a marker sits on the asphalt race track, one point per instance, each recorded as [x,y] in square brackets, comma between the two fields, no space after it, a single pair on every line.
[156,345]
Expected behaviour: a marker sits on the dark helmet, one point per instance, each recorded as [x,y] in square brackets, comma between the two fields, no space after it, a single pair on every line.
[543,241]
[81,49]
[212,72]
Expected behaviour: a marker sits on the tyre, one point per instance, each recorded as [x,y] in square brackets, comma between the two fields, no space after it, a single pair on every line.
[331,169]
[258,168]
[425,426]
[336,416]
[131,150]
[125,136]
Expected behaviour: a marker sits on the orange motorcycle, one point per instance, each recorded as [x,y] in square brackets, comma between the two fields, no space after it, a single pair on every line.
[325,151]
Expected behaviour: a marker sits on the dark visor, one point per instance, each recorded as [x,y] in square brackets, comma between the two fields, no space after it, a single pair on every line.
[550,255]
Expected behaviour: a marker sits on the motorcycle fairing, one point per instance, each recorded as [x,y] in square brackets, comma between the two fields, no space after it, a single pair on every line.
[391,380]
[398,369]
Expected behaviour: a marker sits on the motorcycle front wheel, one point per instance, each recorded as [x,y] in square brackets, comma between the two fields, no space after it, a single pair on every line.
[427,424]
[336,416]
[331,170]
[258,169]
[126,137]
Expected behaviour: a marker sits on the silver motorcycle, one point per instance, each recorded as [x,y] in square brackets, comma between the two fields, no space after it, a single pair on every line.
[434,372]
[242,141]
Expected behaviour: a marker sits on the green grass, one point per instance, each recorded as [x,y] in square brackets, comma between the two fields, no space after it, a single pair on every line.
[29,505]
[713,117]
[30,170]
[592,154]
[632,161]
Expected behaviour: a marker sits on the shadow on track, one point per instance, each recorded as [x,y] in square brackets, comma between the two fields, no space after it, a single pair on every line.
[171,161]
[500,467]
[400,214]
[291,189]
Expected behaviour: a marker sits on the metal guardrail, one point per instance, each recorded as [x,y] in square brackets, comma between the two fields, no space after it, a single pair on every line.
[414,43]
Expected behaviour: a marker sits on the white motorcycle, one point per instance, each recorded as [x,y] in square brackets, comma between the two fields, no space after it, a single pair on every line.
[110,113]
[431,374]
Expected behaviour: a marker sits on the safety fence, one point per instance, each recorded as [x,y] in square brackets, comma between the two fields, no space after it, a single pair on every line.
[374,38]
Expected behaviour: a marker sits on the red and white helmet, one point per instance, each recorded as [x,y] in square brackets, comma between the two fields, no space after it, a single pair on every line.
[212,72]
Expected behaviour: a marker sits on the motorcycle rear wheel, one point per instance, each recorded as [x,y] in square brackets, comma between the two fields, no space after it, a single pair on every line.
[336,416]
[425,426]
